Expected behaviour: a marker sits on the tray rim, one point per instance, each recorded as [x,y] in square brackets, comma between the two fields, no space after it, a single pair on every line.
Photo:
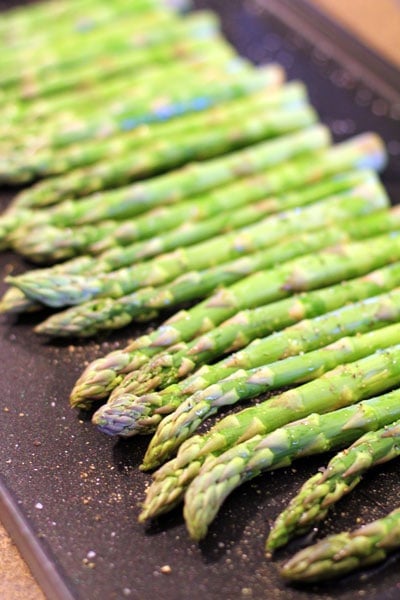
[309,21]
[43,569]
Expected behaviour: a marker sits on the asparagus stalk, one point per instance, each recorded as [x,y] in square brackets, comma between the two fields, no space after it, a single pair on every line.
[170,153]
[301,274]
[75,289]
[342,474]
[197,282]
[157,53]
[167,367]
[336,389]
[97,24]
[177,185]
[48,244]
[212,84]
[143,227]
[97,40]
[198,396]
[21,22]
[228,273]
[14,301]
[342,553]
[291,95]
[106,373]
[364,151]
[200,29]
[120,73]
[94,73]
[124,103]
[31,16]
[245,384]
[184,236]
[311,435]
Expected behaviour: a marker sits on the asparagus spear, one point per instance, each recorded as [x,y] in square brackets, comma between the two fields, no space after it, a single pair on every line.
[311,435]
[22,34]
[117,257]
[170,153]
[176,185]
[196,397]
[48,244]
[15,301]
[166,369]
[127,102]
[200,28]
[124,103]
[342,553]
[27,99]
[21,22]
[364,151]
[304,273]
[98,40]
[173,364]
[106,373]
[183,236]
[75,289]
[342,474]
[339,388]
[212,84]
[212,52]
[46,163]
[36,74]
[98,23]
[245,384]
[122,106]
[106,235]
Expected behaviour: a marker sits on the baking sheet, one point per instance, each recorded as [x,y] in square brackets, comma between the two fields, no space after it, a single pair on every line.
[69,495]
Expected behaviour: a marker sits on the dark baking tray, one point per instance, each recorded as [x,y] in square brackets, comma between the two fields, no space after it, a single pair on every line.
[67,491]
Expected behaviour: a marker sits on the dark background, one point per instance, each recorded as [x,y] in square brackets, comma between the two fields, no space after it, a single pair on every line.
[78,491]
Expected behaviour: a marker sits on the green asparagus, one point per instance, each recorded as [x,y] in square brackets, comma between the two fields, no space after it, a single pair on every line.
[341,387]
[123,104]
[246,384]
[339,554]
[17,168]
[14,301]
[105,68]
[296,246]
[311,435]
[365,151]
[98,25]
[48,244]
[168,153]
[206,86]
[209,53]
[39,76]
[305,273]
[104,374]
[342,474]
[23,22]
[200,28]
[192,400]
[110,36]
[192,179]
[170,366]
[64,290]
